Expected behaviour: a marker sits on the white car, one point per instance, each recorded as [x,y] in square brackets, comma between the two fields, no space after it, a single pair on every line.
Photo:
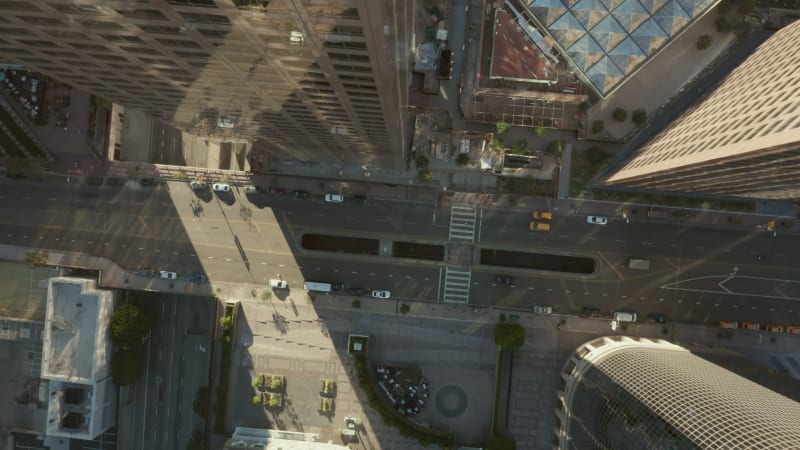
[381,294]
[542,309]
[278,284]
[334,198]
[221,187]
[597,220]
[167,275]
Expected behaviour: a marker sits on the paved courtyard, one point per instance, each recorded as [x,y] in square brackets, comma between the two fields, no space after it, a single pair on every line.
[456,358]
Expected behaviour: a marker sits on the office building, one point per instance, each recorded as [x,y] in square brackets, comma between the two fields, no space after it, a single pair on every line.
[312,80]
[76,359]
[742,140]
[622,392]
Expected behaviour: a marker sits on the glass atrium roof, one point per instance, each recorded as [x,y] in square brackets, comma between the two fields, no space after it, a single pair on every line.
[609,39]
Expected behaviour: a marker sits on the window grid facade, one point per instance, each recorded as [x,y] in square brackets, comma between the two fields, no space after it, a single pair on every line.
[741,141]
[233,58]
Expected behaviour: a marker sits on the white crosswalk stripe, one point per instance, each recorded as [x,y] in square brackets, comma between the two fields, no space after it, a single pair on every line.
[456,285]
[462,223]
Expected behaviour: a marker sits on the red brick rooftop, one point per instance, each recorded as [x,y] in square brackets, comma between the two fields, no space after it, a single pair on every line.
[515,56]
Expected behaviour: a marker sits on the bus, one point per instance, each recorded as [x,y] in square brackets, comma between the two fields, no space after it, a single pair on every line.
[317,287]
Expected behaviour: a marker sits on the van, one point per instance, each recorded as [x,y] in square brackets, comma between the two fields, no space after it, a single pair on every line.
[622,316]
[278,284]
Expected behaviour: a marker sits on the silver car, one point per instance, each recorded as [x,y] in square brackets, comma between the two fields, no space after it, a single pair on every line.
[334,198]
[597,220]
[167,275]
[221,187]
[542,309]
[381,294]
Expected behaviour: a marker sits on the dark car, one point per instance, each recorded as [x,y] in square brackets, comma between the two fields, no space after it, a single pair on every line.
[94,181]
[148,182]
[300,194]
[197,278]
[503,279]
[360,199]
[357,291]
[589,311]
[657,318]
[277,191]
[115,181]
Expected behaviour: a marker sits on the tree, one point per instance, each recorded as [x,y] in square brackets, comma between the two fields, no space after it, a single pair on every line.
[704,41]
[555,148]
[226,322]
[126,366]
[502,126]
[422,162]
[639,116]
[598,126]
[37,258]
[463,159]
[257,399]
[540,131]
[509,335]
[619,114]
[520,148]
[200,403]
[497,144]
[425,175]
[129,325]
[722,24]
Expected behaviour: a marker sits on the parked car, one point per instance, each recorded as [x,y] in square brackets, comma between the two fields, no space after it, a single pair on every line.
[197,278]
[539,226]
[251,189]
[589,311]
[221,187]
[544,215]
[357,291]
[503,279]
[542,309]
[792,329]
[657,318]
[731,325]
[624,316]
[597,220]
[774,328]
[381,294]
[278,284]
[167,275]
[276,191]
[300,194]
[334,198]
[148,182]
[198,185]
[751,326]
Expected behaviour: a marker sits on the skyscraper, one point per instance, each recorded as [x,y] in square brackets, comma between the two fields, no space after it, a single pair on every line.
[620,392]
[742,140]
[317,80]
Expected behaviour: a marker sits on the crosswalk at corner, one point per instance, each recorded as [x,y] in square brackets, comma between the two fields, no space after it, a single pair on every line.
[462,223]
[456,285]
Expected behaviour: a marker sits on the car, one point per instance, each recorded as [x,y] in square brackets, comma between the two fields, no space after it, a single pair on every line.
[731,325]
[357,291]
[278,284]
[503,279]
[657,318]
[597,220]
[624,316]
[114,181]
[220,187]
[544,215]
[774,328]
[589,311]
[539,226]
[300,194]
[381,294]
[198,185]
[94,181]
[361,199]
[148,182]
[252,189]
[167,275]
[197,278]
[334,198]
[542,309]
[751,326]
[276,191]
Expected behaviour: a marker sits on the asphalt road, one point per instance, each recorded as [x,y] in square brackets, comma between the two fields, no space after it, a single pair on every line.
[169,227]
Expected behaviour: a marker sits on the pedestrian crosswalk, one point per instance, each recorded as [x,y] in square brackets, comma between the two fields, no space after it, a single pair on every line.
[456,285]
[462,223]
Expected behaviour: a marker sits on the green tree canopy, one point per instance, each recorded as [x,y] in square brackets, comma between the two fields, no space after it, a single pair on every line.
[704,41]
[226,322]
[540,131]
[463,159]
[619,114]
[128,326]
[509,335]
[502,126]
[639,116]
[126,366]
[598,126]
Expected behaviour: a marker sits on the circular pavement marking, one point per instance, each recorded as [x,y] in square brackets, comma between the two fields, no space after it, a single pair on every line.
[451,401]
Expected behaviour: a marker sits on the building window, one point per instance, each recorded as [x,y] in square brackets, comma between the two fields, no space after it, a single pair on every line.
[101,25]
[152,14]
[34,43]
[159,29]
[349,57]
[18,5]
[205,18]
[200,3]
[178,43]
[42,21]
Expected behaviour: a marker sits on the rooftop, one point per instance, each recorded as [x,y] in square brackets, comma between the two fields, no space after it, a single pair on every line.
[517,55]
[608,40]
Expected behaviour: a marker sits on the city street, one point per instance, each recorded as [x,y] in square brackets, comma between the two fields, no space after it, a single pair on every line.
[250,239]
